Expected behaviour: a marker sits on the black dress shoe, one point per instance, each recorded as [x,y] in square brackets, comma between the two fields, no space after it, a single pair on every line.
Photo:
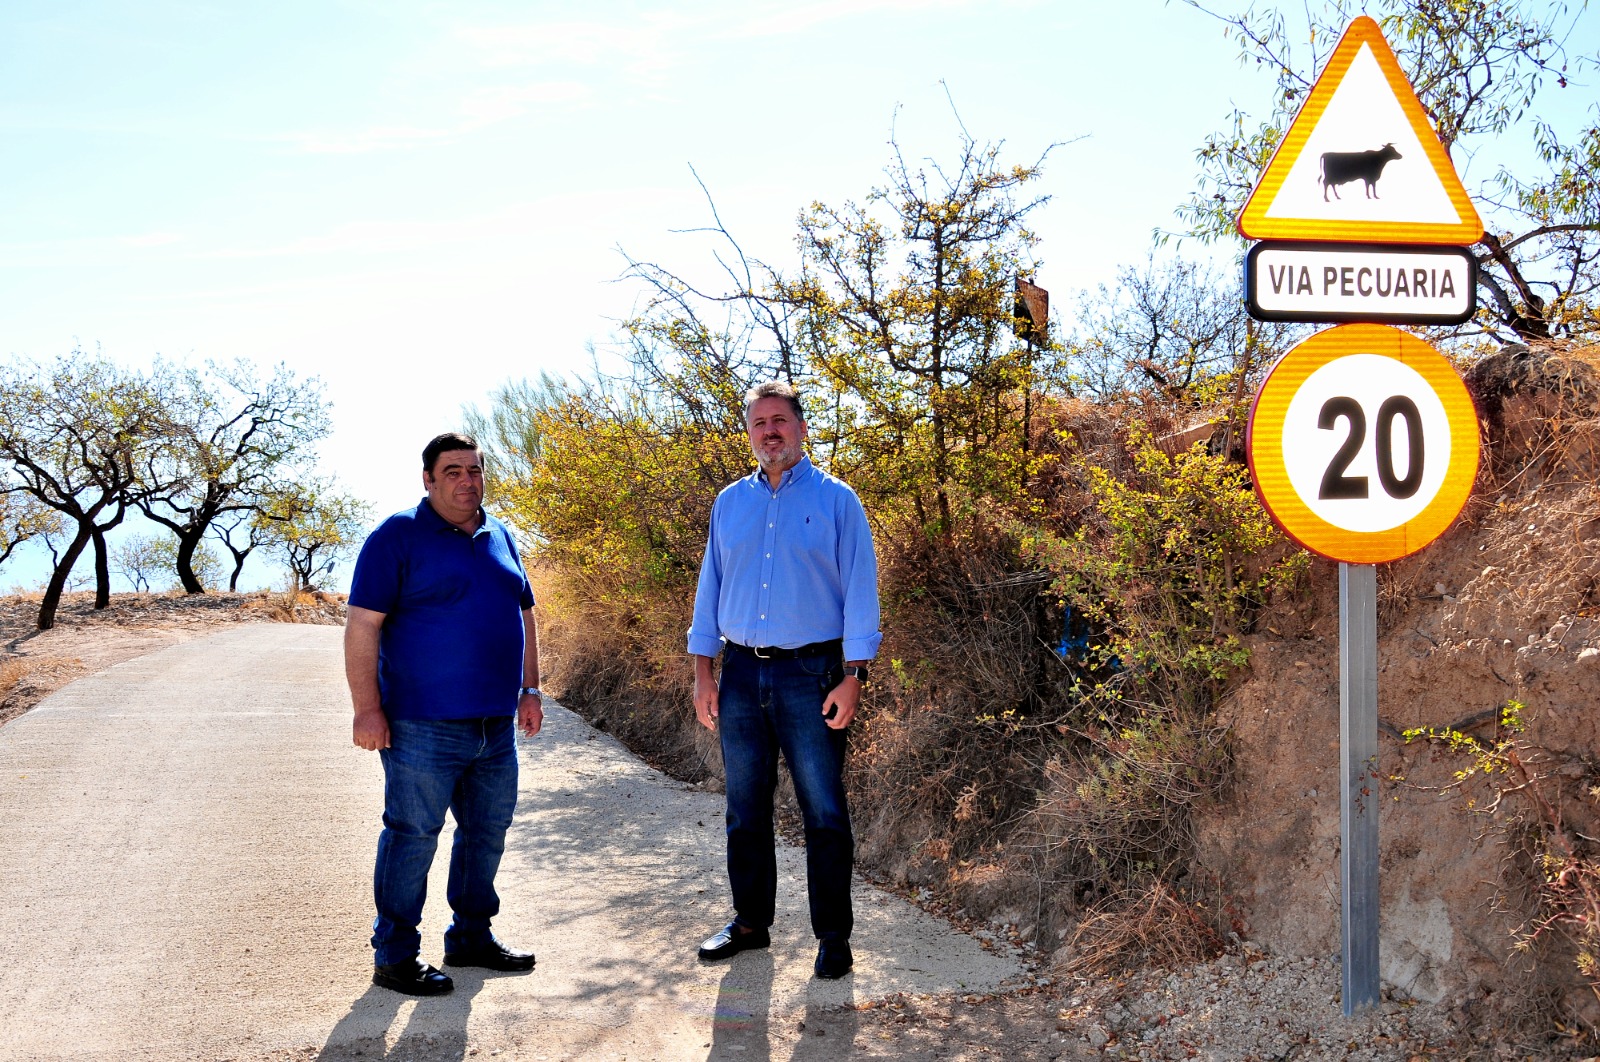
[833,958]
[731,939]
[413,977]
[491,956]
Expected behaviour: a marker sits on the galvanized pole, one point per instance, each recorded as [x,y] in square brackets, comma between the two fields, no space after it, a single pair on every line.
[1358,791]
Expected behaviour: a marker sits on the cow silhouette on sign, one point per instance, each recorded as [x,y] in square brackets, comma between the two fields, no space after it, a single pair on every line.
[1342,167]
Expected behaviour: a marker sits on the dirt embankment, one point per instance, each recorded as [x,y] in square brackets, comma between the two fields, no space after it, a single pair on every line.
[1503,608]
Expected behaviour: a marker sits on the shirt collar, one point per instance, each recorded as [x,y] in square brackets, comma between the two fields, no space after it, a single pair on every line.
[429,516]
[795,473]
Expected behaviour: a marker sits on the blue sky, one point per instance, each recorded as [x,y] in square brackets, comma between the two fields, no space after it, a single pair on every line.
[418,200]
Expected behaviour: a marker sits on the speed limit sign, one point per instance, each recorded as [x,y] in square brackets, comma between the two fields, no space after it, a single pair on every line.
[1363,443]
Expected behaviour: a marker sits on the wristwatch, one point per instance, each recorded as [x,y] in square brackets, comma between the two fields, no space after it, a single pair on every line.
[859,671]
[534,690]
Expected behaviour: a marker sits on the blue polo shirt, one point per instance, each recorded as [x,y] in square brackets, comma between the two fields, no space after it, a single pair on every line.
[452,639]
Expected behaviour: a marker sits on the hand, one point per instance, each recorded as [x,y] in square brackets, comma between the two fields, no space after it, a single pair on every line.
[530,713]
[705,701]
[840,705]
[371,729]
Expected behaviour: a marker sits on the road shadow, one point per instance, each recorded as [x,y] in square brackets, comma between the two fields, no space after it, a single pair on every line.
[740,1025]
[435,1028]
[828,1031]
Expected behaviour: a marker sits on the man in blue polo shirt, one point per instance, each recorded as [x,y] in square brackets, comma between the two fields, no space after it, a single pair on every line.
[788,594]
[442,658]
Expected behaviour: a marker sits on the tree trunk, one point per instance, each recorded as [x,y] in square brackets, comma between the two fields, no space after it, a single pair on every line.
[184,562]
[238,566]
[102,558]
[58,578]
[102,570]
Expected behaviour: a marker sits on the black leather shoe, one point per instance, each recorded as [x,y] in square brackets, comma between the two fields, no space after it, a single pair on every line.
[413,977]
[491,956]
[833,958]
[731,939]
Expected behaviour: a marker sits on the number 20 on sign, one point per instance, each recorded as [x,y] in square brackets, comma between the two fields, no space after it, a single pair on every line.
[1363,443]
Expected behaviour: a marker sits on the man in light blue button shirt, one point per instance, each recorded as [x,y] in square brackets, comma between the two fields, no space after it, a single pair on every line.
[788,596]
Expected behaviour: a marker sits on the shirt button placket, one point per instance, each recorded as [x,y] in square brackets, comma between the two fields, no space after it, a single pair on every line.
[764,599]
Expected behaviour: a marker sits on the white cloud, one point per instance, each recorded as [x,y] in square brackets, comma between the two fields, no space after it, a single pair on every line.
[478,109]
[778,19]
[371,237]
[643,46]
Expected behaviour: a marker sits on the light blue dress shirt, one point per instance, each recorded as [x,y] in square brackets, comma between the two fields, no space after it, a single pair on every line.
[788,567]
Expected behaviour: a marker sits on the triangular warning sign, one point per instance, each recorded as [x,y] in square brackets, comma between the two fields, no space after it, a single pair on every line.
[1361,163]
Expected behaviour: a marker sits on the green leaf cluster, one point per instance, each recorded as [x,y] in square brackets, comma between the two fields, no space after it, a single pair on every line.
[1172,568]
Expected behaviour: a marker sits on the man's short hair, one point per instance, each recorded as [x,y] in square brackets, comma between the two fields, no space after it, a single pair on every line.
[774,389]
[450,440]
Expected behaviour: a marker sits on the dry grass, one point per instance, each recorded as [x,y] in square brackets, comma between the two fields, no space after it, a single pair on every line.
[24,679]
[1125,933]
[12,671]
[294,606]
[628,675]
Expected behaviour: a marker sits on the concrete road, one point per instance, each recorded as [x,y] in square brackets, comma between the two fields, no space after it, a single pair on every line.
[186,846]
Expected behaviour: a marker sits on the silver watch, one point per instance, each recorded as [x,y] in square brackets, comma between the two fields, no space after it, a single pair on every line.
[527,690]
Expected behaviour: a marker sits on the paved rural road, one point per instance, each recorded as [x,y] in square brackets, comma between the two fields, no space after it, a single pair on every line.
[186,843]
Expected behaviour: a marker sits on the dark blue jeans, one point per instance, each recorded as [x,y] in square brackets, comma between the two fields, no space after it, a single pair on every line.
[470,767]
[764,707]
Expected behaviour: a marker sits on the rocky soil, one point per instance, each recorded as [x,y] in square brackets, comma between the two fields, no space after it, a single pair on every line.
[1246,1006]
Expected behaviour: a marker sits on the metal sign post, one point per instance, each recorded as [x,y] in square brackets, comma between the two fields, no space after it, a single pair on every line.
[1358,790]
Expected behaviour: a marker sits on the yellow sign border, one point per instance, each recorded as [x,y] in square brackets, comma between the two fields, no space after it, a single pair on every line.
[1253,221]
[1264,445]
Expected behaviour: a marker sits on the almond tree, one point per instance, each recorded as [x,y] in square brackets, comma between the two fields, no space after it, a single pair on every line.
[908,303]
[312,525]
[23,517]
[80,436]
[241,532]
[236,437]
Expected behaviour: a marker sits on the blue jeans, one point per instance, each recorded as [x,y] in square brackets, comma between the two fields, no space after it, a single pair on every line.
[470,767]
[764,707]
